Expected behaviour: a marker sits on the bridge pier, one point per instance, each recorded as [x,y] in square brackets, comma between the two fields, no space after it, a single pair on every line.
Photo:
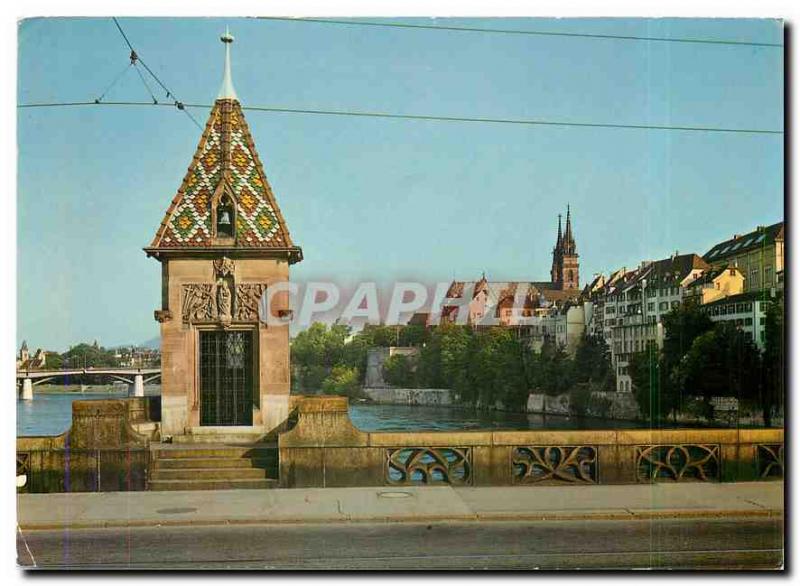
[27,390]
[137,388]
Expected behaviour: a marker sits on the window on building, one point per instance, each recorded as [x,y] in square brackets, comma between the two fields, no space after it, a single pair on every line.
[651,306]
[748,321]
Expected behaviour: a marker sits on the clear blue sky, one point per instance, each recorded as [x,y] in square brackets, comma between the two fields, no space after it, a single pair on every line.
[386,199]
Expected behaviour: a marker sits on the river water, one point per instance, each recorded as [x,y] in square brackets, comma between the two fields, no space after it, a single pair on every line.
[51,414]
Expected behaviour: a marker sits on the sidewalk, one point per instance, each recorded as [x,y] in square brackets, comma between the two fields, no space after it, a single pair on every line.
[398,504]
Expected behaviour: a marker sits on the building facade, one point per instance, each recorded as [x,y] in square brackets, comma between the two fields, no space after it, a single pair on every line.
[758,255]
[223,243]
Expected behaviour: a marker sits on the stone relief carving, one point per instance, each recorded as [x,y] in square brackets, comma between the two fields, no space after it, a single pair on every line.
[198,303]
[223,267]
[217,302]
[223,301]
[248,298]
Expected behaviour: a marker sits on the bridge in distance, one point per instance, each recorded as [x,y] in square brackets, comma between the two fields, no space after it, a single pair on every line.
[135,377]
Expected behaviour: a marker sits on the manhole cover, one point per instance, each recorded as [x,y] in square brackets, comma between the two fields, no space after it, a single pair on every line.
[396,494]
[176,510]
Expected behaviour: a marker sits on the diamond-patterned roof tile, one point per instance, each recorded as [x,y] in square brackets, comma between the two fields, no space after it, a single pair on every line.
[226,152]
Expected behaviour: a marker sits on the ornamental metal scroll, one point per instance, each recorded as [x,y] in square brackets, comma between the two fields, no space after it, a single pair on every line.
[429,466]
[769,461]
[683,462]
[577,464]
[23,463]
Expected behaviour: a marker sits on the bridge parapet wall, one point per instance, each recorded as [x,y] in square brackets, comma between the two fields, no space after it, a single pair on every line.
[102,451]
[324,449]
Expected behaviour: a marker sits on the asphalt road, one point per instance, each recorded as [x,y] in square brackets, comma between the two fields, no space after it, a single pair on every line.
[721,544]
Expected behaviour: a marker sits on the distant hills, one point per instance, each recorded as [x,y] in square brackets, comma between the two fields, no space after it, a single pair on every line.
[152,343]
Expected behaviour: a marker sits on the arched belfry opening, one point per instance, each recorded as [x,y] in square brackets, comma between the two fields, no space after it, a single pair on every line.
[225,216]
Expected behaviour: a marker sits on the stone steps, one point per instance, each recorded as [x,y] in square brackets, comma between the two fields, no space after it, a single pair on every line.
[213,466]
[232,484]
[216,462]
[215,452]
[232,473]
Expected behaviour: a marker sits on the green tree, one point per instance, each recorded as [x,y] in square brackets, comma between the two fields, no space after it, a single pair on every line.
[772,386]
[398,371]
[89,356]
[721,363]
[414,335]
[442,360]
[343,380]
[551,370]
[655,397]
[682,326]
[592,363]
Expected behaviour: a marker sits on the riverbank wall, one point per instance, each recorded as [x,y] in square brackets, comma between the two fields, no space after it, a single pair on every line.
[423,397]
[324,449]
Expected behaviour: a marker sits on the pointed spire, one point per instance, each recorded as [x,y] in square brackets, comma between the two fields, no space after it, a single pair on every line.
[569,241]
[226,92]
[558,239]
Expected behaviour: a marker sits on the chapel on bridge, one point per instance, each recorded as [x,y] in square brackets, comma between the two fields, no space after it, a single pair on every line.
[222,244]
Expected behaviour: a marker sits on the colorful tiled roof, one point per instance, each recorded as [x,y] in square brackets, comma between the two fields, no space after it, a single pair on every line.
[225,160]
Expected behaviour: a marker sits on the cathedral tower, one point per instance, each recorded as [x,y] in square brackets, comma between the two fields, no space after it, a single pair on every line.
[564,273]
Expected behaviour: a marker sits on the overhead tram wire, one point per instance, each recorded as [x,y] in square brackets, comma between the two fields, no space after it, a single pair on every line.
[113,83]
[136,58]
[449,28]
[429,118]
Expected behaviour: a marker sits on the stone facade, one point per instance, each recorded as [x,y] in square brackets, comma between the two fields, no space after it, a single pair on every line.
[180,340]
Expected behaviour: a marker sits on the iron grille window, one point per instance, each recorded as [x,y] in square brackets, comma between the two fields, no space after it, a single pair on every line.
[226,378]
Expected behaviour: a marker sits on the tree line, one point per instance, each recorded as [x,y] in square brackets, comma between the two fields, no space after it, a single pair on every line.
[487,368]
[493,368]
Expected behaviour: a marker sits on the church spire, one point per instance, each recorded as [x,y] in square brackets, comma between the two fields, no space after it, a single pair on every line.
[226,92]
[569,241]
[558,239]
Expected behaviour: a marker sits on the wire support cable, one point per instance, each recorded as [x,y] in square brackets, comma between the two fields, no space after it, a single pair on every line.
[429,118]
[520,32]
